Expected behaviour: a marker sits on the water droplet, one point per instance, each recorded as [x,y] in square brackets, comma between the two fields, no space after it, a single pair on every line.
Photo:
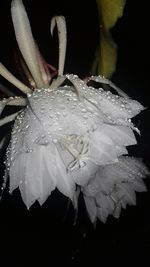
[51,116]
[64,114]
[85,116]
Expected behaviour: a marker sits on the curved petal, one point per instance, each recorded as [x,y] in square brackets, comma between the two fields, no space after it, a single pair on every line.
[25,40]
[62,32]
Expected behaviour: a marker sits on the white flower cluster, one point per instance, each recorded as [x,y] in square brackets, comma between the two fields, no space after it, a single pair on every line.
[72,136]
[61,140]
[113,188]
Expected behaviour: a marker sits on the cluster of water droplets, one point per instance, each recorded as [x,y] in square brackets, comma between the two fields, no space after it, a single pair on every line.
[70,119]
[52,115]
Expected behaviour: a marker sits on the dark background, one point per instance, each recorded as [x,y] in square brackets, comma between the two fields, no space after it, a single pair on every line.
[47,234]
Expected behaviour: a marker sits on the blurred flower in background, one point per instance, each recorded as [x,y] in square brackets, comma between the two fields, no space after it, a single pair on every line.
[106,54]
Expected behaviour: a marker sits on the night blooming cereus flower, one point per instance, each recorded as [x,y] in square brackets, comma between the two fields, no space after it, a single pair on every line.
[70,137]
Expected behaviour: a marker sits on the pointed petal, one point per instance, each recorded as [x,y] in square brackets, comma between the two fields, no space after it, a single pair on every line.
[91,208]
[25,40]
[62,32]
[12,79]
[120,135]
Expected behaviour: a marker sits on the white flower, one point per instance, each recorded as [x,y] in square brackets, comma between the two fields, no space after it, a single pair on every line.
[113,188]
[58,134]
[69,137]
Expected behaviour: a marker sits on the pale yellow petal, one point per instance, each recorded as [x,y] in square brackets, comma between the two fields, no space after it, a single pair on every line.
[106,56]
[110,11]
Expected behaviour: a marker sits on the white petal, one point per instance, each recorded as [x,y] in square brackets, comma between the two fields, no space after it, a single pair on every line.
[120,135]
[121,150]
[83,175]
[126,194]
[119,107]
[91,208]
[30,174]
[25,40]
[102,214]
[62,32]
[65,182]
[106,205]
[103,150]
[2,106]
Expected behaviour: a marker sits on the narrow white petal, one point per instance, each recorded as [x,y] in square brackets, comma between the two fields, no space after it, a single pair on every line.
[65,182]
[12,79]
[25,40]
[8,119]
[2,142]
[62,32]
[102,214]
[91,208]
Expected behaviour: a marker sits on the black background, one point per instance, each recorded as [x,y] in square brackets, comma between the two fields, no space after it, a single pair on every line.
[47,234]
